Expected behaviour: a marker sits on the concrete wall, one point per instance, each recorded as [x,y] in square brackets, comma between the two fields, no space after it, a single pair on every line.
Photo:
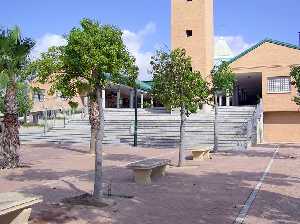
[271,60]
[281,127]
[196,15]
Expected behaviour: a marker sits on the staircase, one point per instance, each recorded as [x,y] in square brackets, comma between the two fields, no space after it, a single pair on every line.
[159,128]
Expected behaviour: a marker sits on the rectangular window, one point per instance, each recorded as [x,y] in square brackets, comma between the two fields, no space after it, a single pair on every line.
[279,85]
[189,33]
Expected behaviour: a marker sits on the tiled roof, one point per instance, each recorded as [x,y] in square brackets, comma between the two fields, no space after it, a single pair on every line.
[267,40]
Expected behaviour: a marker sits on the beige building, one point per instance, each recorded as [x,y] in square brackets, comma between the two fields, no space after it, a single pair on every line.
[192,29]
[262,72]
[42,100]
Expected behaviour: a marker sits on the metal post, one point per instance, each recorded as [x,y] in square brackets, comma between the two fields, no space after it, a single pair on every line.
[142,100]
[64,118]
[118,98]
[45,121]
[131,99]
[135,117]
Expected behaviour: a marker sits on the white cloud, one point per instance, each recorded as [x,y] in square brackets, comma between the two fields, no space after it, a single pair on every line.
[236,43]
[43,43]
[134,42]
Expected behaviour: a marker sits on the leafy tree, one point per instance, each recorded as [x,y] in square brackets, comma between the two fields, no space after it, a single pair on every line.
[223,81]
[14,52]
[295,75]
[177,86]
[94,56]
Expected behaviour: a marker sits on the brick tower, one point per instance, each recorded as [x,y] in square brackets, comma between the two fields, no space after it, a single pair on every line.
[192,29]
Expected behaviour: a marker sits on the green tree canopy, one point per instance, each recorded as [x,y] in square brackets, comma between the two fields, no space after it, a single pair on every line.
[177,86]
[94,56]
[295,75]
[174,82]
[223,79]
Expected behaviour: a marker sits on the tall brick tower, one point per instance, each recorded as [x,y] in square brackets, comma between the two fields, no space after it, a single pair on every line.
[192,29]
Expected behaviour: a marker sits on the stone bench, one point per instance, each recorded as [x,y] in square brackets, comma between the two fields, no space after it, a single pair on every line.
[15,208]
[146,169]
[199,153]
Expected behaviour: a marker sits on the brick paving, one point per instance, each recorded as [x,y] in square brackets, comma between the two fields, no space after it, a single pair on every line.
[212,192]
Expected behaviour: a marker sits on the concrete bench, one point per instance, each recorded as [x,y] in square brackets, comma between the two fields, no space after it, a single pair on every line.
[201,153]
[15,208]
[146,169]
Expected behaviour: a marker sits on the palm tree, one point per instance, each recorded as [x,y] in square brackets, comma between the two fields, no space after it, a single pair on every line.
[14,56]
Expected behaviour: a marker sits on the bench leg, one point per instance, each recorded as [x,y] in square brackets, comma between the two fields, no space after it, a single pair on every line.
[159,171]
[208,155]
[16,217]
[142,177]
[198,156]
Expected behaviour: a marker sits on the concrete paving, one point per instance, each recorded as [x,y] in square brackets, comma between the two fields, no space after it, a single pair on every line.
[212,192]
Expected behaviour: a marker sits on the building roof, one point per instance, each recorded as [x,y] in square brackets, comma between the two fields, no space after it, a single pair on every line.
[267,40]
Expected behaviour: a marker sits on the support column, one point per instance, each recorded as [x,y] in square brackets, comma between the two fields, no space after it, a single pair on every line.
[220,100]
[118,98]
[103,98]
[236,96]
[142,100]
[227,101]
[152,103]
[131,99]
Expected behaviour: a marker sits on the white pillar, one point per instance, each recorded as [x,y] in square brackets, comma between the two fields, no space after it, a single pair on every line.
[131,99]
[227,101]
[220,100]
[86,106]
[152,103]
[118,98]
[103,98]
[142,100]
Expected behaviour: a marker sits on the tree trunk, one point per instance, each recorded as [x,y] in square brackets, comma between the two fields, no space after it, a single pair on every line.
[99,147]
[94,121]
[216,124]
[10,142]
[182,134]
[25,118]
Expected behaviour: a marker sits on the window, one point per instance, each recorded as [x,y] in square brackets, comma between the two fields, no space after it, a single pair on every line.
[279,85]
[189,33]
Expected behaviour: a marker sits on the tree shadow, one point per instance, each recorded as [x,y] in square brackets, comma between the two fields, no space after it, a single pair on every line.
[183,196]
[64,146]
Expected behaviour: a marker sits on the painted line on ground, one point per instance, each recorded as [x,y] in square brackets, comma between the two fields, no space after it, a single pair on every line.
[248,204]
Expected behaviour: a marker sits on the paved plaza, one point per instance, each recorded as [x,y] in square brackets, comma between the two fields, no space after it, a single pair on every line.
[214,191]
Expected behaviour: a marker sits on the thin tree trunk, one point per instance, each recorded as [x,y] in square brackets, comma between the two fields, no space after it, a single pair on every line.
[216,134]
[94,121]
[182,134]
[10,142]
[99,147]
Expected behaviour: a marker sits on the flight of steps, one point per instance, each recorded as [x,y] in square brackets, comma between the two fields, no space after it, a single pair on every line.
[159,128]
[233,126]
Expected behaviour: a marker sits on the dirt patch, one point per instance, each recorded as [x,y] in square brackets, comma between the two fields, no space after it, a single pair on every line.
[88,200]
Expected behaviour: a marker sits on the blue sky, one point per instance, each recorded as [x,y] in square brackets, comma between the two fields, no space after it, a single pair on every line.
[147,22]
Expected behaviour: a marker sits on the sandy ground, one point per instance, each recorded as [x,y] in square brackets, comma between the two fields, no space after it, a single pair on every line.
[214,191]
